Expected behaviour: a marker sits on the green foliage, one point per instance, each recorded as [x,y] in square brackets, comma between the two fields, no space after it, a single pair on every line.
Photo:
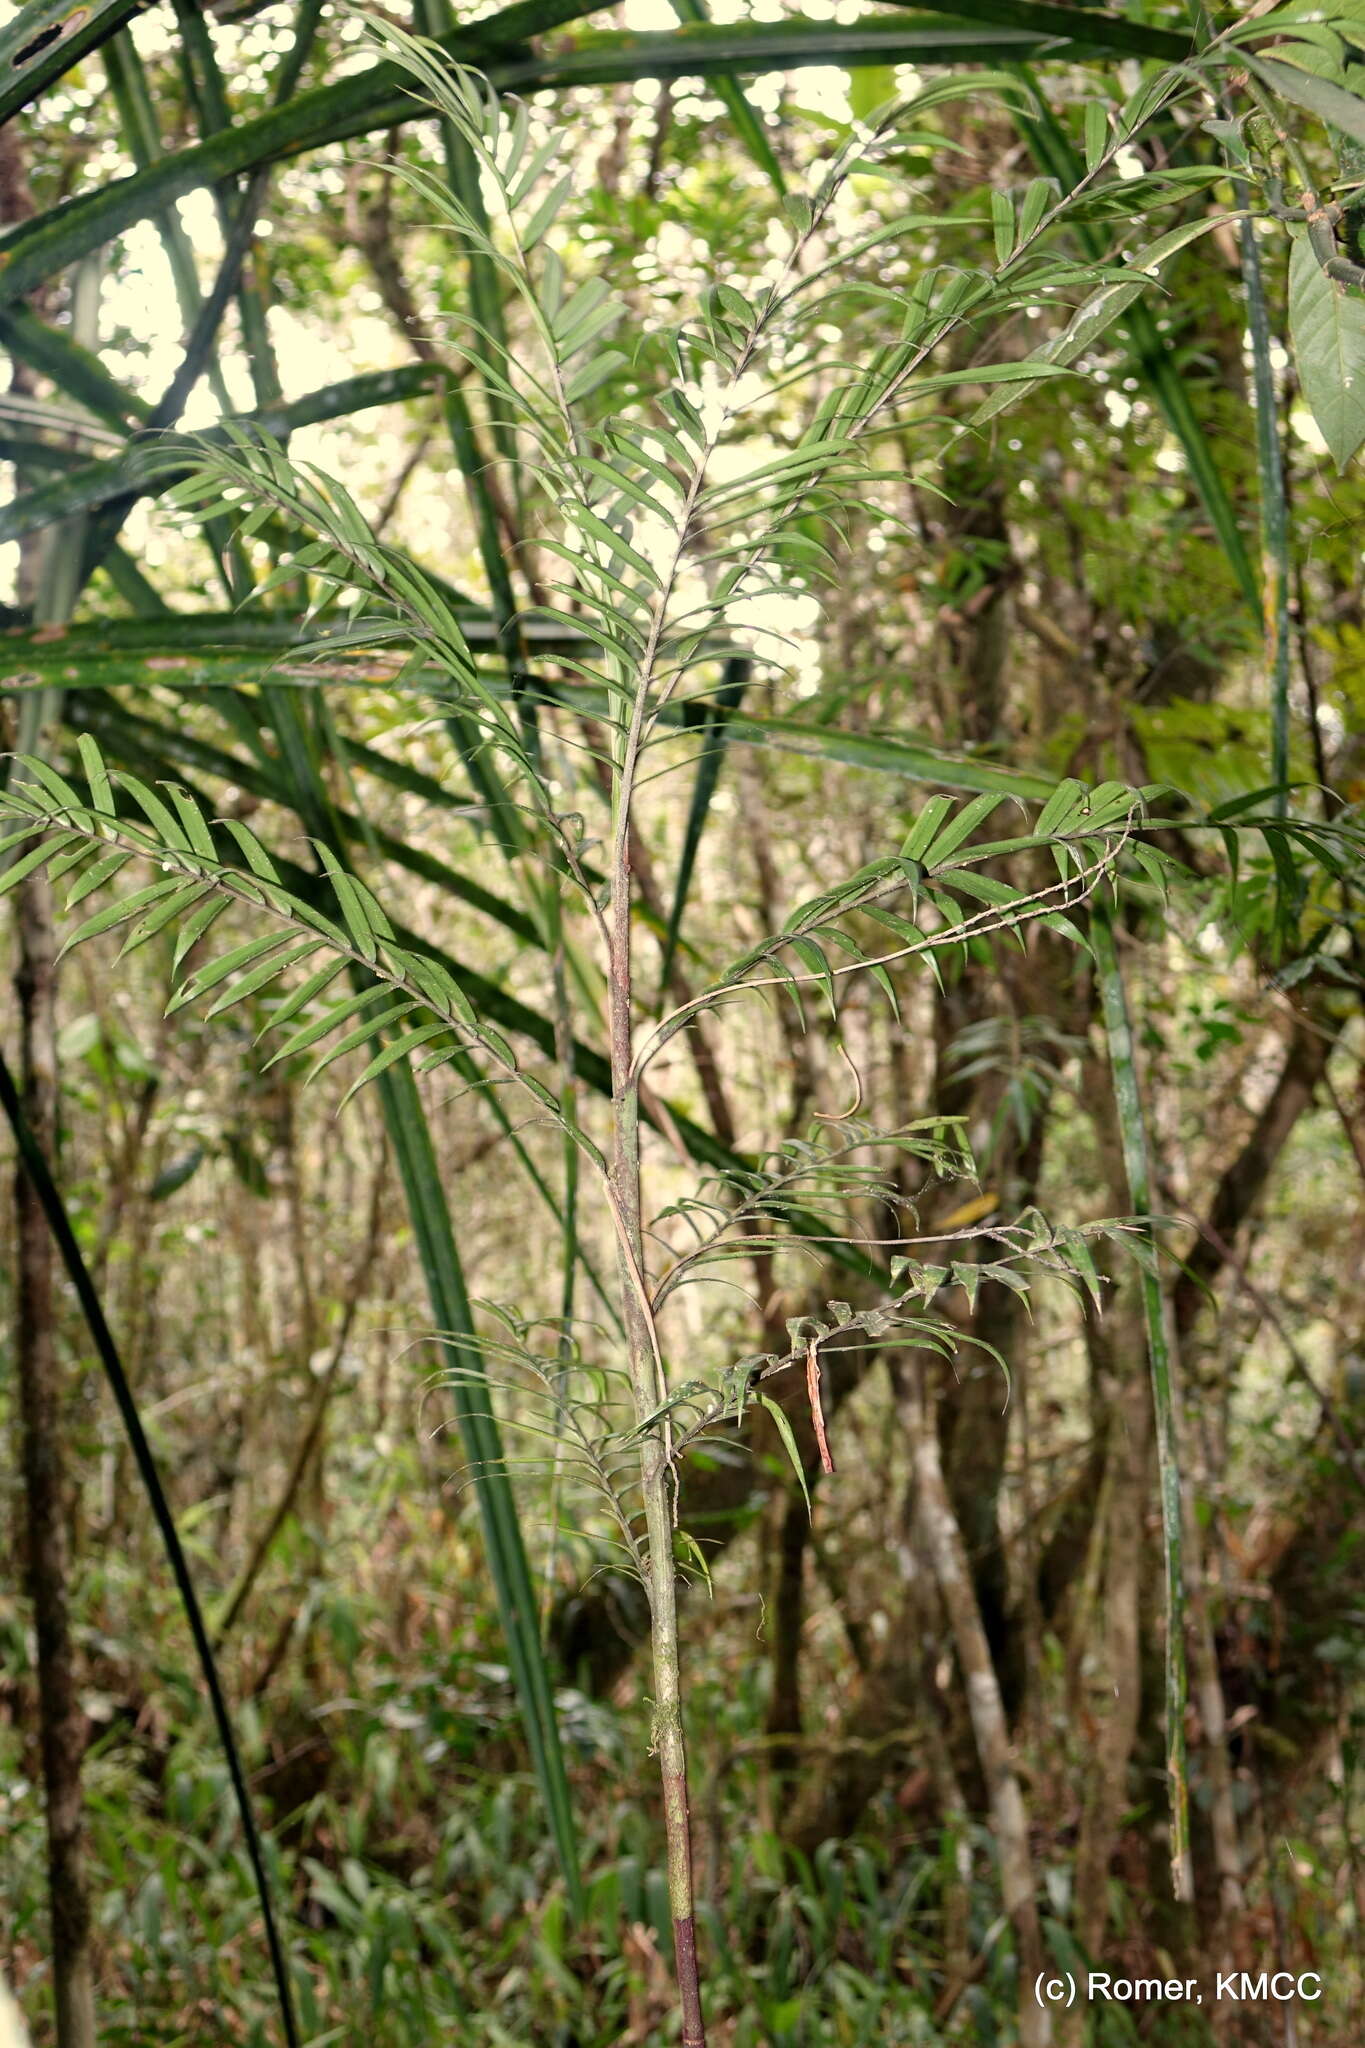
[1327,321]
[682,480]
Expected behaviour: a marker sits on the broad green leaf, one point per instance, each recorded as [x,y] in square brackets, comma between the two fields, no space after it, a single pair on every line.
[365,999]
[168,828]
[253,853]
[815,963]
[545,215]
[397,1049]
[1327,323]
[96,775]
[1040,196]
[870,87]
[926,825]
[354,908]
[1099,312]
[195,926]
[192,818]
[1066,803]
[1319,95]
[362,1034]
[177,905]
[985,888]
[95,877]
[35,769]
[593,374]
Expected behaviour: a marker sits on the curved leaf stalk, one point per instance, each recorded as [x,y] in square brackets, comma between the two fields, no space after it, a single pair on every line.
[128,88]
[237,209]
[1275,545]
[563,1210]
[39,1173]
[428,1208]
[1133,1129]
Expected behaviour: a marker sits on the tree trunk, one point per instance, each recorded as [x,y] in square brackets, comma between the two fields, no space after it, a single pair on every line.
[61,1724]
[1107,1796]
[791,1538]
[944,1547]
[1116,1344]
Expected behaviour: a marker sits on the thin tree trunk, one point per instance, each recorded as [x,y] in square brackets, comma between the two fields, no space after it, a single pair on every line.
[791,1533]
[943,1544]
[1230,1933]
[1244,1181]
[1116,1342]
[1107,1791]
[649,1390]
[61,1724]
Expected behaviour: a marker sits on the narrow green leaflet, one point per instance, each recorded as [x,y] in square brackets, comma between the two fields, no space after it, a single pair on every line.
[1092,319]
[1133,1132]
[789,1445]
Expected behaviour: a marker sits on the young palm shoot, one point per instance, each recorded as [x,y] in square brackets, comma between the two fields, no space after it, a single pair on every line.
[662,557]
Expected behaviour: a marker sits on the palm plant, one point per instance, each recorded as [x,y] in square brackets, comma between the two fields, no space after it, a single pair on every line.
[660,562]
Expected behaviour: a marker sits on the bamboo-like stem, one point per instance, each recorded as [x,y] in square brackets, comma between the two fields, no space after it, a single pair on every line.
[1133,1131]
[1275,545]
[61,1722]
[646,1383]
[646,1366]
[943,1544]
[39,1378]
